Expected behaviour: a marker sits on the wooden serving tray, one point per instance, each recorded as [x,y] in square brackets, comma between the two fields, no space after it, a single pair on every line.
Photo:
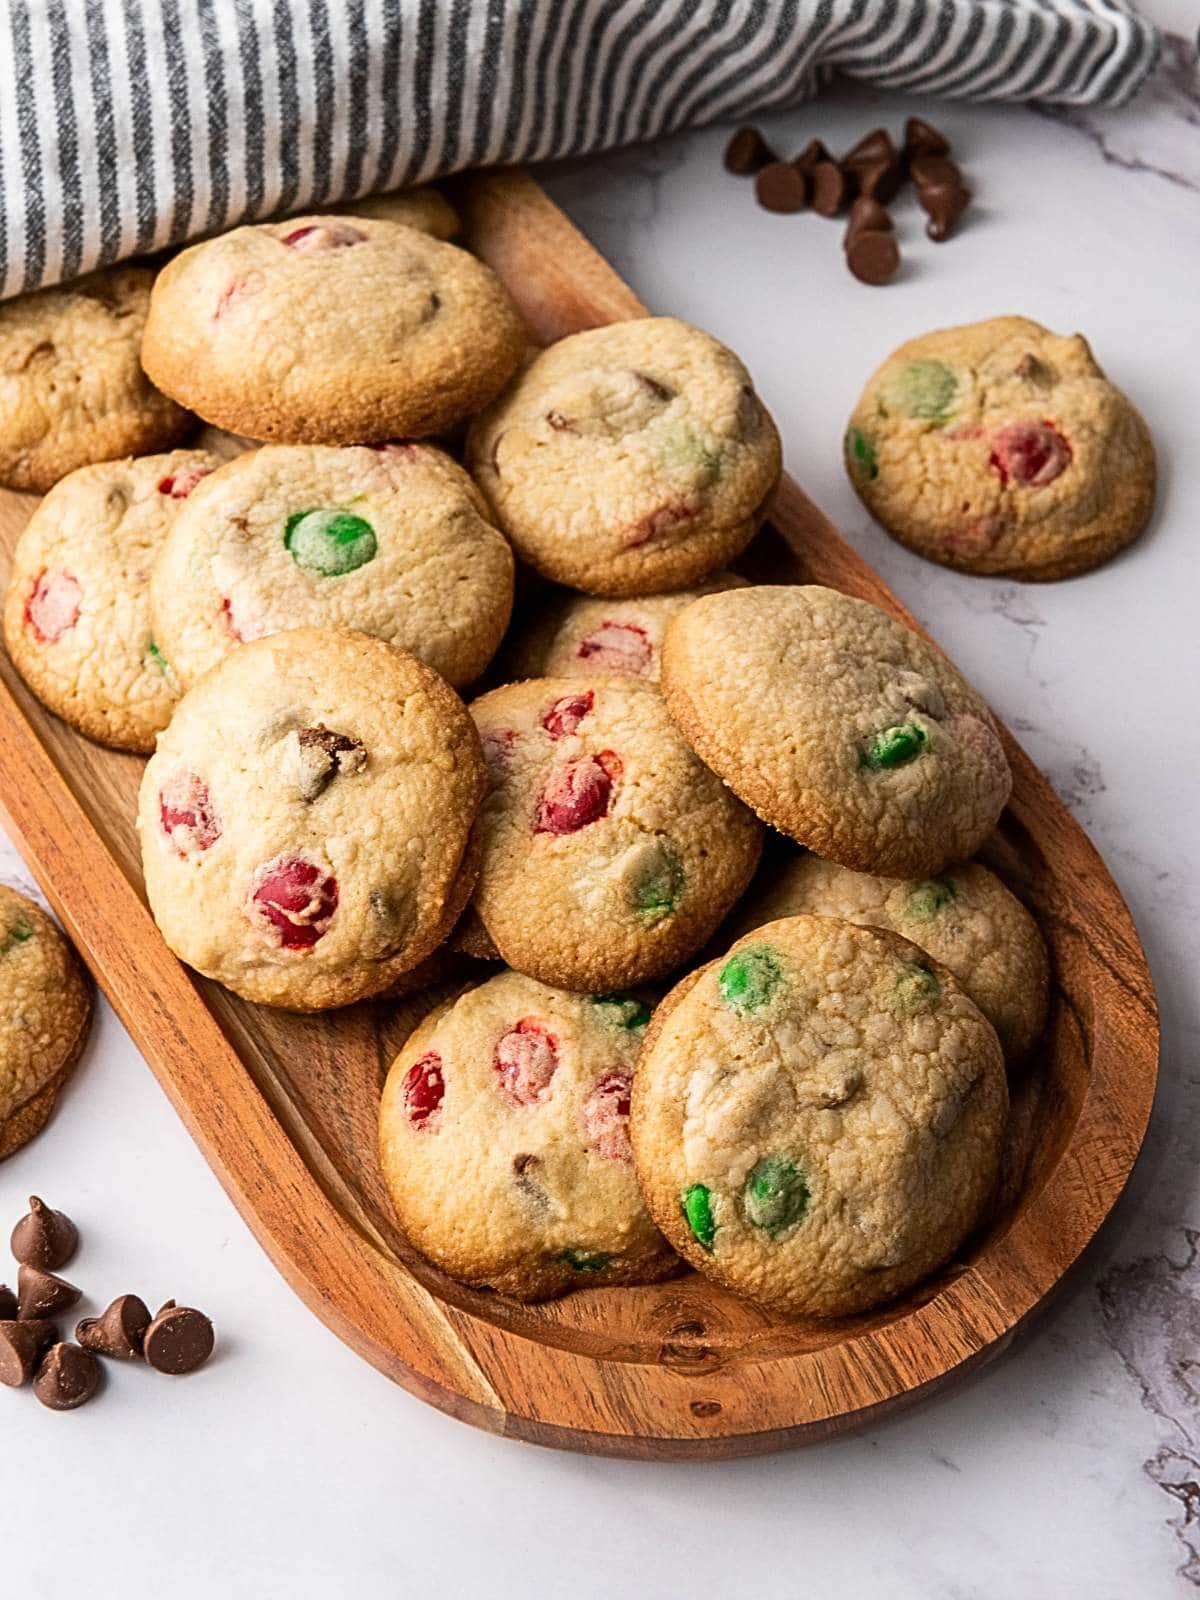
[284,1106]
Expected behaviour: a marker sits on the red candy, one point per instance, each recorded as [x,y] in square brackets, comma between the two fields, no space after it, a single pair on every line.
[525,1060]
[498,745]
[617,647]
[1030,454]
[606,1117]
[53,605]
[663,522]
[297,899]
[577,793]
[180,484]
[323,236]
[228,294]
[565,715]
[424,1088]
[188,816]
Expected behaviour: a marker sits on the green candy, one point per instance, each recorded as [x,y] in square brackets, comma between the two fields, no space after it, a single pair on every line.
[895,747]
[155,655]
[925,389]
[686,450]
[776,1195]
[329,543]
[659,893]
[622,1011]
[585,1260]
[927,899]
[748,980]
[19,933]
[861,453]
[696,1203]
[916,986]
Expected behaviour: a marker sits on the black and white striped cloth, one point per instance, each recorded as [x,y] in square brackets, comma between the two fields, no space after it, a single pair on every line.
[126,125]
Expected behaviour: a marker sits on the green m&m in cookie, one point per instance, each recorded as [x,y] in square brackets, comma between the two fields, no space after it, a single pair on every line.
[921,389]
[781,1147]
[329,543]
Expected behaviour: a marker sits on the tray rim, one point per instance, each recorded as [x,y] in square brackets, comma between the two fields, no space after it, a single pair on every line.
[469,1366]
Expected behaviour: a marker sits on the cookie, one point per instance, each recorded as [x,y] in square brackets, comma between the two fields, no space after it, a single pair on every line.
[573,636]
[469,937]
[609,853]
[390,539]
[818,1117]
[965,919]
[45,1011]
[305,820]
[504,1137]
[77,615]
[331,330]
[72,390]
[838,725]
[629,459]
[422,208]
[1001,448]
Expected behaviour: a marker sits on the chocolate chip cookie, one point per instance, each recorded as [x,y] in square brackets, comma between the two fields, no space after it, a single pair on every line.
[818,1117]
[838,725]
[1002,448]
[77,616]
[331,330]
[390,539]
[504,1137]
[305,819]
[72,390]
[609,852]
[629,459]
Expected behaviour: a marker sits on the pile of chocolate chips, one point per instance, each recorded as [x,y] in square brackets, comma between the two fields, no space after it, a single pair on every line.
[866,180]
[175,1340]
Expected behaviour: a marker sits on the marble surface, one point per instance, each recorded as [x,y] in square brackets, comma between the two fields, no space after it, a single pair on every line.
[1071,1467]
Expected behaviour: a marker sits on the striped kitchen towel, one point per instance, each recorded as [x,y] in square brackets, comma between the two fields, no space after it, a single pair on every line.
[126,125]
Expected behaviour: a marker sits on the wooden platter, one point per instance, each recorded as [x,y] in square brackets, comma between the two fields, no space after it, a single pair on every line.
[284,1106]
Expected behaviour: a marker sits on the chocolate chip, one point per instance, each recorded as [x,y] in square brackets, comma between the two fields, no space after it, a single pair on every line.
[879,179]
[21,1343]
[318,755]
[923,139]
[119,1331]
[41,1294]
[660,391]
[866,216]
[781,187]
[830,189]
[943,205]
[873,256]
[68,1377]
[747,152]
[178,1340]
[44,1238]
[813,152]
[8,1303]
[934,171]
[559,423]
[873,147]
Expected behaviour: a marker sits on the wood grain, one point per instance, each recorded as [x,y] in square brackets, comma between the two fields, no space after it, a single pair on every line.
[284,1107]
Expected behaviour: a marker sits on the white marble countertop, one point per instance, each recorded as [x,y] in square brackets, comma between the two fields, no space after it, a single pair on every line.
[1072,1466]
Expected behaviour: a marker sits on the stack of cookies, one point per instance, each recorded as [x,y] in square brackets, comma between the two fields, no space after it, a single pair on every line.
[795,1081]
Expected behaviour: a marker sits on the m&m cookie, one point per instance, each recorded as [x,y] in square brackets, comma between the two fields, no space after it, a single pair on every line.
[629,459]
[504,1137]
[331,330]
[609,853]
[838,725]
[305,821]
[818,1117]
[77,617]
[1000,447]
[965,918]
[393,540]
